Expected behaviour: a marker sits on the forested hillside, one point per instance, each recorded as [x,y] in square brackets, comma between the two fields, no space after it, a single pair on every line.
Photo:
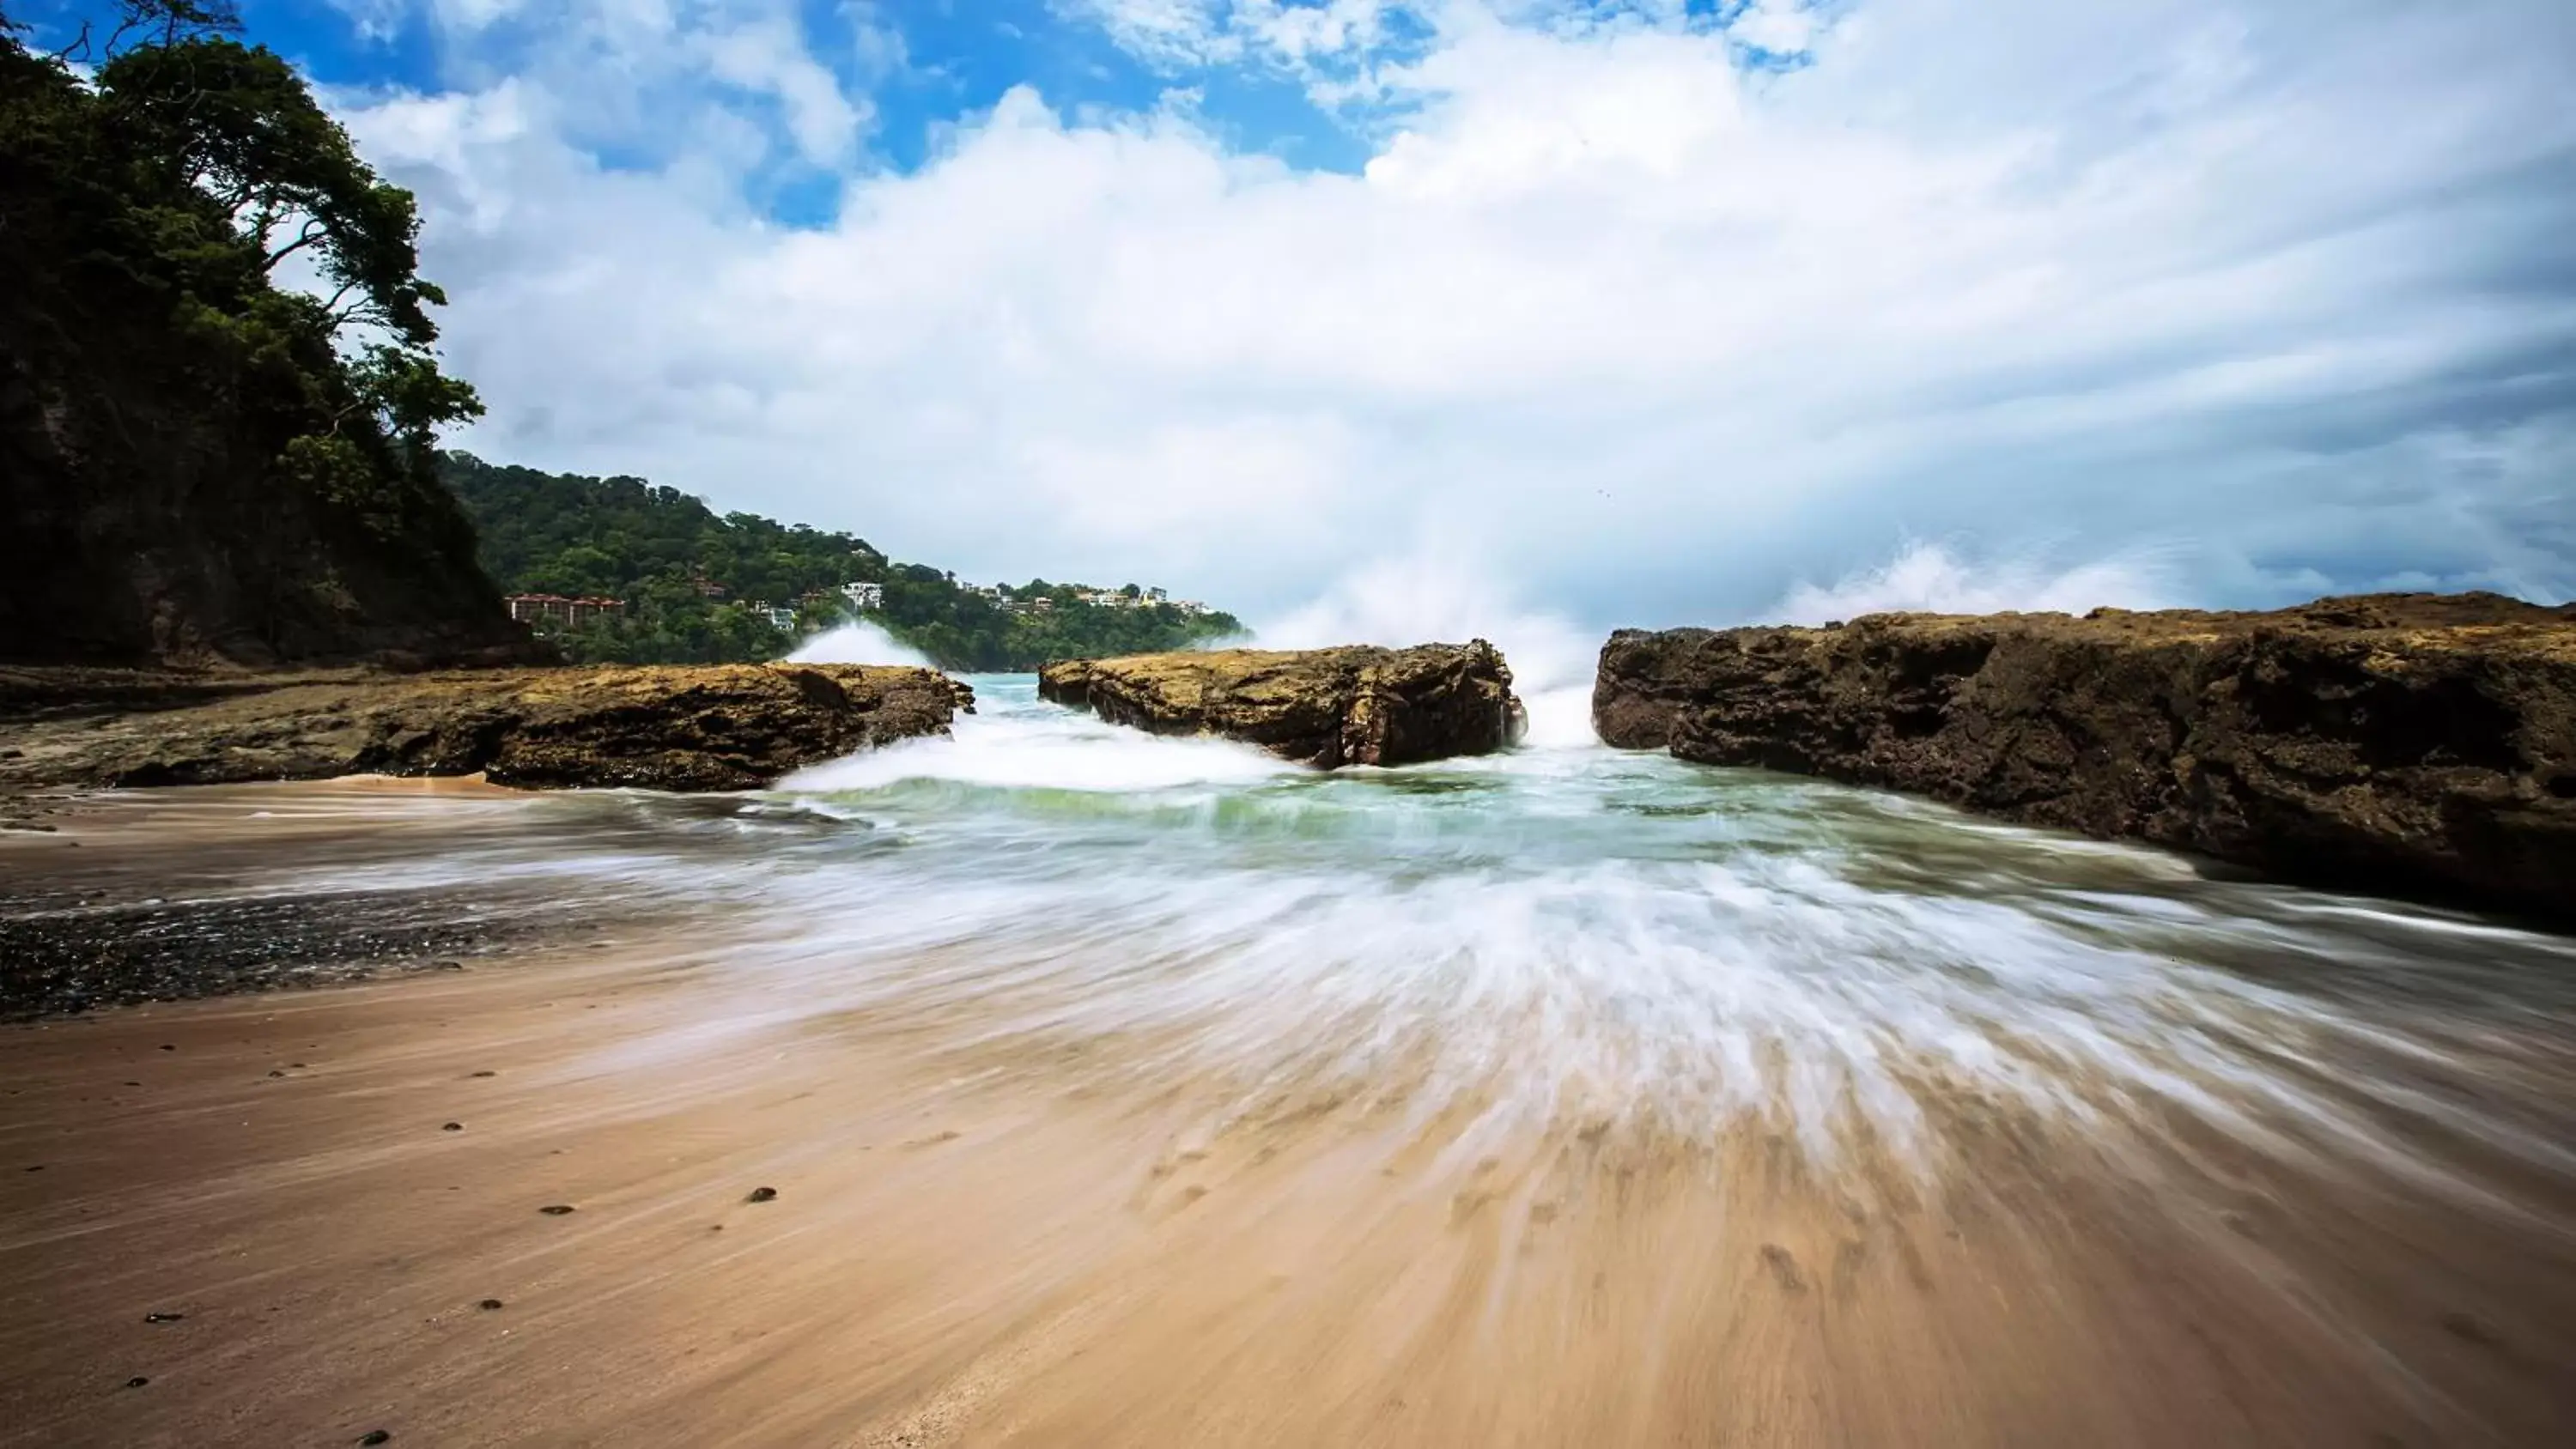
[196,460]
[690,579]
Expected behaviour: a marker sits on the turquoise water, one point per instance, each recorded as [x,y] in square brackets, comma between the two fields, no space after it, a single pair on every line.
[1577,933]
[1564,936]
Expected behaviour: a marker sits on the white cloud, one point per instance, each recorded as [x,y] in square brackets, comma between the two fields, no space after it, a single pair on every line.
[2273,294]
[1174,32]
[1782,27]
[769,58]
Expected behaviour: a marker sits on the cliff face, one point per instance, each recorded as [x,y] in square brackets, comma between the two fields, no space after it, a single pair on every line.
[138,523]
[665,727]
[1356,705]
[2411,743]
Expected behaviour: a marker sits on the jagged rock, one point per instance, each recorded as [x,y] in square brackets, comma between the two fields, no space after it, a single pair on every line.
[664,727]
[2406,743]
[1355,705]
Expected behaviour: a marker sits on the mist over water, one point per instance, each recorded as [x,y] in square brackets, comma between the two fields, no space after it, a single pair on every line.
[1438,1064]
[1582,940]
[1582,935]
[857,642]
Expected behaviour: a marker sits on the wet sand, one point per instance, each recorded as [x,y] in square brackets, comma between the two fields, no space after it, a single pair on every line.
[972,1245]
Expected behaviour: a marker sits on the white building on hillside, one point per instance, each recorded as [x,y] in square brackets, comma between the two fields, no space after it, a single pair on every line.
[864,597]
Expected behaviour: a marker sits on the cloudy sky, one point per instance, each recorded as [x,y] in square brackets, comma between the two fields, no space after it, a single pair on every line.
[1647,312]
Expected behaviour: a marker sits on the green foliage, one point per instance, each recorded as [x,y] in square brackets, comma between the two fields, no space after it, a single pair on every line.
[656,548]
[146,211]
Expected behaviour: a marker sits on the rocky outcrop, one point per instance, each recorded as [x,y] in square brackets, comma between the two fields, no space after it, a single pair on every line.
[668,727]
[2406,743]
[1356,705]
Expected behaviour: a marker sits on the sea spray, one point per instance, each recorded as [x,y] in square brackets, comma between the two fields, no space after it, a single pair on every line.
[1439,596]
[857,642]
[1577,940]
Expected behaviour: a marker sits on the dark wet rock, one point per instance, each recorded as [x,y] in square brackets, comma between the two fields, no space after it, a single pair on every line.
[163,1317]
[484,1074]
[762,1194]
[451,1126]
[1355,705]
[2414,744]
[136,1382]
[555,1209]
[376,1436]
[663,727]
[489,1305]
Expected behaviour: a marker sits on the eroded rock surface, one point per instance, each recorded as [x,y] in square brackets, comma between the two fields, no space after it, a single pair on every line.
[1355,705]
[2408,743]
[663,727]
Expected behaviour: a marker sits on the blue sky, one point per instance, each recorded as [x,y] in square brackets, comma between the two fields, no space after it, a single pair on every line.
[1402,316]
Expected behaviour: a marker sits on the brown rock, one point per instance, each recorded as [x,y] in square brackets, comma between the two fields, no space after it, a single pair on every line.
[2408,743]
[666,727]
[1355,705]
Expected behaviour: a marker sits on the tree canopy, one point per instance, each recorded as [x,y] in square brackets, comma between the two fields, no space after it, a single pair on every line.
[218,300]
[689,578]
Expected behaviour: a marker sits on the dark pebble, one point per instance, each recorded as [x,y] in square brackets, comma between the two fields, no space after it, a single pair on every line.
[136,1382]
[167,1047]
[376,1436]
[762,1194]
[277,1074]
[488,1304]
[451,1127]
[556,1209]
[487,1074]
[163,1317]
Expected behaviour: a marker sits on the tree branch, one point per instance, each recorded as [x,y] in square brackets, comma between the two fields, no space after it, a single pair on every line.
[313,232]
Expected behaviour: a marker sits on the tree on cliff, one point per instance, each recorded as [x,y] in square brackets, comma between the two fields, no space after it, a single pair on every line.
[216,357]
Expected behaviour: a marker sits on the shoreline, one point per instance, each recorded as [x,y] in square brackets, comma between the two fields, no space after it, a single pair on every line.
[972,1244]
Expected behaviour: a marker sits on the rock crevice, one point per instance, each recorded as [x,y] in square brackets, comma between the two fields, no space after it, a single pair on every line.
[1355,705]
[2405,743]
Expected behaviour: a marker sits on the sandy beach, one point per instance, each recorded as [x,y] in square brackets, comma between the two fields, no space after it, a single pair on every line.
[303,1217]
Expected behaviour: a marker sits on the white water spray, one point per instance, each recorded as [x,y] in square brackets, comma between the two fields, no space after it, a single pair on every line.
[857,642]
[1435,595]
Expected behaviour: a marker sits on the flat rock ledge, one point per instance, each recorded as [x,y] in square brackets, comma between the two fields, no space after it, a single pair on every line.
[2408,744]
[1354,705]
[661,727]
